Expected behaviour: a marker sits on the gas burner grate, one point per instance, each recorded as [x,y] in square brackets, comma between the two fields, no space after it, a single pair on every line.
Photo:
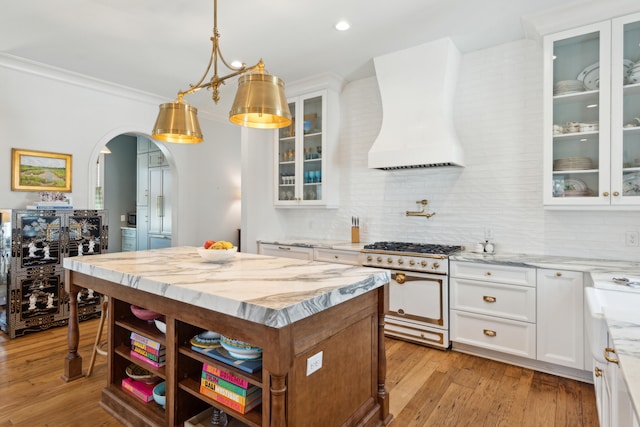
[419,248]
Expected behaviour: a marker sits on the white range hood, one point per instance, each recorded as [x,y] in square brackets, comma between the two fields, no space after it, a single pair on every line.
[417,86]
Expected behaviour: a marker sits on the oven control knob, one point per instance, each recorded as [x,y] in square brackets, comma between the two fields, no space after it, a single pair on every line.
[390,260]
[423,263]
[369,258]
[411,262]
[400,261]
[435,265]
[379,259]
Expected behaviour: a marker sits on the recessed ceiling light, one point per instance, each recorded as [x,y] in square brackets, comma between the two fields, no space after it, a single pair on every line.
[342,26]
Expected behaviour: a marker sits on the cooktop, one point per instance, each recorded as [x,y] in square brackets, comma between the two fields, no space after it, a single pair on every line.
[420,248]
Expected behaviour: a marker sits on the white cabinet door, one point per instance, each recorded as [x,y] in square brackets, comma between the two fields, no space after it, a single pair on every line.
[560,321]
[304,155]
[159,200]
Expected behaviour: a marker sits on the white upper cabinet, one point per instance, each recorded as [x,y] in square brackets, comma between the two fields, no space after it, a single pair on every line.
[304,154]
[591,100]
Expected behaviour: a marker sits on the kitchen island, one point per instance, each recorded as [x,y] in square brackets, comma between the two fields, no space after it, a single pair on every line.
[297,311]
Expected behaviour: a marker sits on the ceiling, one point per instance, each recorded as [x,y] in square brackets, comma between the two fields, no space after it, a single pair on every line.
[161,46]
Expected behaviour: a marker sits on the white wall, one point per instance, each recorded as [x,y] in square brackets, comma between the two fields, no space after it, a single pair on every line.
[498,107]
[47,109]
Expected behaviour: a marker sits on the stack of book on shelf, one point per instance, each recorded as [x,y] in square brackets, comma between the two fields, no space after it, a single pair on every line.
[229,390]
[140,389]
[57,204]
[148,350]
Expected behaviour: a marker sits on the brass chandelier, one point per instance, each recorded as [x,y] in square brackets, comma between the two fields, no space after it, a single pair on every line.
[260,101]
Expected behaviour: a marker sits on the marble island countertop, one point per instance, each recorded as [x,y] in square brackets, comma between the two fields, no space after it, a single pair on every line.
[263,289]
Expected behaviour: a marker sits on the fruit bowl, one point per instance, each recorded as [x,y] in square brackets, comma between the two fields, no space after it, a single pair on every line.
[144,314]
[217,255]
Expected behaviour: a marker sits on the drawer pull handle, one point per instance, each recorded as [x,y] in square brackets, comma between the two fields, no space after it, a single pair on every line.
[401,312]
[558,274]
[490,333]
[611,359]
[401,278]
[488,273]
[597,372]
[284,248]
[487,298]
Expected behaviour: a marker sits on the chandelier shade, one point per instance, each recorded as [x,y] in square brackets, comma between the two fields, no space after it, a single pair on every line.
[260,102]
[177,122]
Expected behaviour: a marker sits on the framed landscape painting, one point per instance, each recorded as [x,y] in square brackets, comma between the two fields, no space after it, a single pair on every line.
[40,171]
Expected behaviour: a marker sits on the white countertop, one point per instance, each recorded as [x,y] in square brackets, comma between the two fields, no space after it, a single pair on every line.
[267,290]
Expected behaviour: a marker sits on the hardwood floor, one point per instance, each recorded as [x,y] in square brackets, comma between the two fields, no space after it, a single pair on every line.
[427,388]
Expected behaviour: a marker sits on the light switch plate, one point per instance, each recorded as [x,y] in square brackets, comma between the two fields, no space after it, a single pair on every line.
[314,363]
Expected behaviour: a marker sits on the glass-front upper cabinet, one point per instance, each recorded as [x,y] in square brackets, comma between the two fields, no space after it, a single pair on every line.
[592,115]
[625,120]
[577,105]
[301,154]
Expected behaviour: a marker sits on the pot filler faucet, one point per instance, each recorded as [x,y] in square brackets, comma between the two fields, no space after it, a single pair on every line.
[421,212]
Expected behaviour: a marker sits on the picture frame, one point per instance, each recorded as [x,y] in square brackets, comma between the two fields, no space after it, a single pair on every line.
[40,171]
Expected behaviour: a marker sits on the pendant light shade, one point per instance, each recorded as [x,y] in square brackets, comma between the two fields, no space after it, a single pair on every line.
[260,102]
[177,122]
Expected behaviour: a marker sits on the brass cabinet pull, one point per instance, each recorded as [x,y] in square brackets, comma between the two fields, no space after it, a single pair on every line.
[284,248]
[558,274]
[605,194]
[597,372]
[487,298]
[401,312]
[489,333]
[616,194]
[611,359]
[401,278]
[488,273]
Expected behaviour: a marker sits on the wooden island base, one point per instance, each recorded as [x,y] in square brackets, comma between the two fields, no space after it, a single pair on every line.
[347,390]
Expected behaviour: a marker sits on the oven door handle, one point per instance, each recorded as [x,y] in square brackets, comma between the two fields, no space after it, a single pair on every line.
[400,278]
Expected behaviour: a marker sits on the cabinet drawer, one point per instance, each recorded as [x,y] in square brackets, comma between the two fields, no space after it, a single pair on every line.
[337,256]
[414,332]
[494,299]
[503,335]
[522,276]
[286,251]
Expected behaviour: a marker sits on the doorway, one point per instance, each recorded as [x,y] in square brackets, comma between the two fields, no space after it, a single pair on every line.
[133,184]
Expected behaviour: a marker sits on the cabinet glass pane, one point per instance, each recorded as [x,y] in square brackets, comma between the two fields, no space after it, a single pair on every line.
[312,146]
[287,159]
[631,111]
[576,116]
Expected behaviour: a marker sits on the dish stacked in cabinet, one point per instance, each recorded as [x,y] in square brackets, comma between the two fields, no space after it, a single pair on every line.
[494,307]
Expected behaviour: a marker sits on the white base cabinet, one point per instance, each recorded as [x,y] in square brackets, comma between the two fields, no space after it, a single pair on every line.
[560,318]
[286,251]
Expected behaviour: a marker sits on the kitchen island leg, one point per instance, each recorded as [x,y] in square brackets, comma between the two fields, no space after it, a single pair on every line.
[73,361]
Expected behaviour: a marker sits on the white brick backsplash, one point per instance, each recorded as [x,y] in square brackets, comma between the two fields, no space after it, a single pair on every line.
[498,112]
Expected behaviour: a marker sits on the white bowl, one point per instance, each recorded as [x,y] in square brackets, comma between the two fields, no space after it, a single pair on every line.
[217,255]
[162,327]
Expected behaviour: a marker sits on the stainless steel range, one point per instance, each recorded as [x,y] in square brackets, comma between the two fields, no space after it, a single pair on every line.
[419,289]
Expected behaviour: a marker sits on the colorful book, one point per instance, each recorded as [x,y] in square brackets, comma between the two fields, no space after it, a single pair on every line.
[243,400]
[139,389]
[147,360]
[243,409]
[222,355]
[158,352]
[242,391]
[225,375]
[146,341]
[150,356]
